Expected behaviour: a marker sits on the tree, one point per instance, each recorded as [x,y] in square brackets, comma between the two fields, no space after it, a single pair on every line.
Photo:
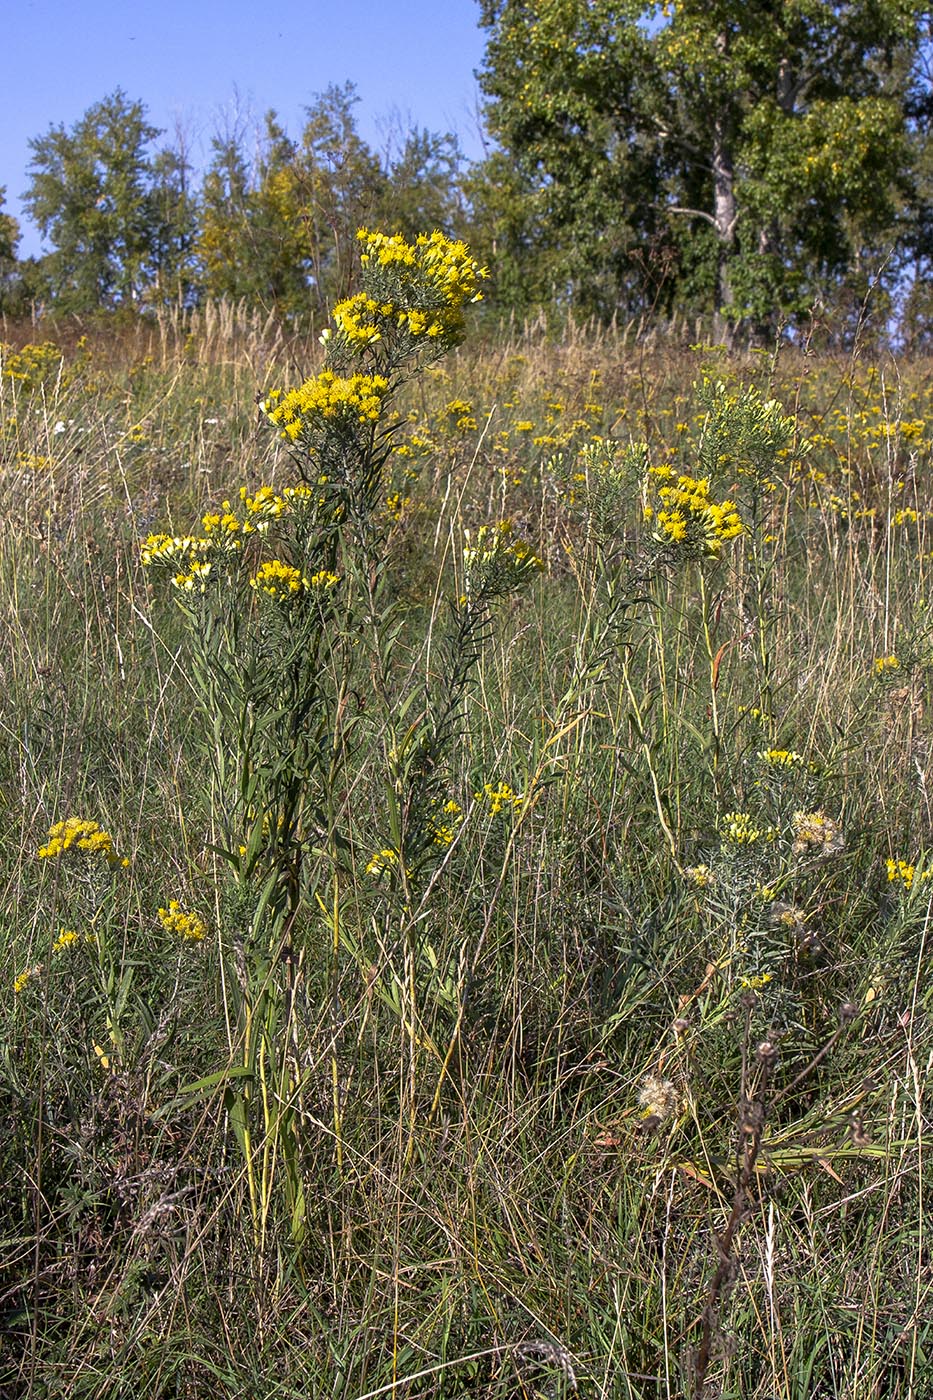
[253,241]
[224,214]
[916,269]
[758,148]
[173,223]
[565,81]
[9,242]
[280,230]
[421,187]
[90,194]
[341,182]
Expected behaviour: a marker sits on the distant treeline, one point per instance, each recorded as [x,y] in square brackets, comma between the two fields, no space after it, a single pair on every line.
[754,162]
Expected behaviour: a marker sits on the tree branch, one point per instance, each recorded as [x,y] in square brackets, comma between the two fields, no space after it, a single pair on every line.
[694,213]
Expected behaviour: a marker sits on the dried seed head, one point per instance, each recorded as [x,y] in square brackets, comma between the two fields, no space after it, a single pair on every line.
[857,1132]
[657,1097]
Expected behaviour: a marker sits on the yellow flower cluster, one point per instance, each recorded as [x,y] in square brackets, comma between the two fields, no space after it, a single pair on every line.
[22,979]
[685,514]
[444,264]
[814,832]
[224,528]
[499,798]
[31,364]
[908,516]
[324,579]
[416,290]
[382,861]
[397,504]
[700,876]
[192,556]
[280,581]
[327,398]
[754,712]
[902,873]
[187,926]
[755,984]
[447,823]
[67,938]
[417,323]
[460,413]
[162,549]
[75,834]
[30,461]
[194,579]
[886,663]
[357,318]
[498,554]
[738,830]
[781,758]
[264,504]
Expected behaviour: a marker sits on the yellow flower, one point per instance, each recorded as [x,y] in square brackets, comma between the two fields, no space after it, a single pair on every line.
[194,580]
[328,398]
[382,861]
[264,505]
[448,822]
[686,514]
[280,581]
[170,550]
[781,758]
[498,559]
[67,938]
[738,830]
[754,984]
[903,873]
[499,798]
[357,319]
[442,264]
[22,979]
[224,528]
[76,835]
[188,926]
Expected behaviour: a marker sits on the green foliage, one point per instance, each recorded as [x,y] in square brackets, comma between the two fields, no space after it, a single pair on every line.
[9,238]
[593,1053]
[172,274]
[281,231]
[289,617]
[741,162]
[783,131]
[115,220]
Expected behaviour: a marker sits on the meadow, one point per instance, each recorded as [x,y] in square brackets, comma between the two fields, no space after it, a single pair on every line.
[484,951]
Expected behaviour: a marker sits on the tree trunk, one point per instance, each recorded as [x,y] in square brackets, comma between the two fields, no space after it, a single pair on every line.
[724,215]
[724,219]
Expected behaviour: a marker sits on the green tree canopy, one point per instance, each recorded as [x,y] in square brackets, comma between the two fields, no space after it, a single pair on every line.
[730,155]
[9,242]
[280,229]
[89,193]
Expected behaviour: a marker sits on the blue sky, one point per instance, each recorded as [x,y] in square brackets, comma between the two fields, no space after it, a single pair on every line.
[202,62]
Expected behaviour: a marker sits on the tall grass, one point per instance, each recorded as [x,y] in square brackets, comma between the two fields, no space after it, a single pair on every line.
[617,1101]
